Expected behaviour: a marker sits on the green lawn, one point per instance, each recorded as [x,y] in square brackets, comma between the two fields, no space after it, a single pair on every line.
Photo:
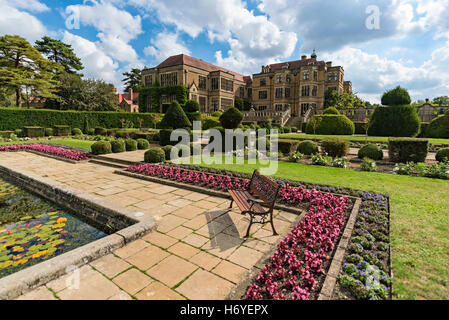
[68,142]
[355,138]
[419,222]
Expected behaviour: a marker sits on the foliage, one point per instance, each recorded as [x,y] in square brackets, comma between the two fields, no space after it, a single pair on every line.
[335,147]
[307,147]
[132,80]
[340,162]
[155,92]
[16,118]
[33,132]
[60,53]
[331,110]
[217,114]
[175,118]
[101,147]
[231,118]
[320,160]
[143,144]
[408,149]
[442,155]
[396,121]
[118,146]
[330,124]
[192,106]
[154,155]
[341,100]
[288,146]
[371,151]
[396,97]
[23,68]
[368,165]
[441,101]
[76,132]
[295,157]
[438,128]
[60,130]
[131,145]
[48,132]
[211,122]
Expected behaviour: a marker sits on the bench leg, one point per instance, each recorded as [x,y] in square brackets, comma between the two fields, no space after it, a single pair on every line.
[249,227]
[232,201]
[272,225]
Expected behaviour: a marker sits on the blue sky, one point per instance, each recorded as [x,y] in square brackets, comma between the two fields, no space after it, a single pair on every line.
[380,44]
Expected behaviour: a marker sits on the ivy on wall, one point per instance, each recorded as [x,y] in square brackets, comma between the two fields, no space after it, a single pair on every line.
[155,92]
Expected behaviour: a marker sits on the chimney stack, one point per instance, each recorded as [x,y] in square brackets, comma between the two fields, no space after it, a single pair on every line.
[303,57]
[329,64]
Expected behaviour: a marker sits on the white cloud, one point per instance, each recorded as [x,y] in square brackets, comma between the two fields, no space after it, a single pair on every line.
[16,22]
[166,45]
[31,5]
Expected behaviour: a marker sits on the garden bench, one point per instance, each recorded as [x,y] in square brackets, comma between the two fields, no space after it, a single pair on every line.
[259,201]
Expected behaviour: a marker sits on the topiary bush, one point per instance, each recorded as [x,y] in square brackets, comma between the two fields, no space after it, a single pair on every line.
[48,132]
[167,151]
[396,121]
[6,134]
[77,132]
[192,106]
[396,97]
[217,114]
[331,124]
[331,110]
[287,130]
[131,145]
[307,148]
[231,118]
[100,131]
[442,155]
[211,122]
[18,132]
[143,144]
[438,128]
[62,131]
[294,129]
[101,147]
[403,150]
[154,155]
[335,147]
[118,146]
[175,118]
[33,132]
[370,151]
[91,131]
[287,146]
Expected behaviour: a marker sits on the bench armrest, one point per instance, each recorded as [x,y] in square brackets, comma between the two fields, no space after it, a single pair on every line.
[258,201]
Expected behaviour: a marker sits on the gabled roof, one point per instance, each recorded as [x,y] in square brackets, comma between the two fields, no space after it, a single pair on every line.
[294,65]
[183,59]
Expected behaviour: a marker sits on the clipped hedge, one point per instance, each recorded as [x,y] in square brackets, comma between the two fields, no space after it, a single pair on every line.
[62,131]
[402,150]
[48,132]
[335,147]
[331,124]
[76,132]
[33,132]
[396,121]
[16,118]
[143,144]
[370,151]
[131,145]
[359,127]
[231,118]
[442,155]
[118,146]
[154,155]
[101,131]
[331,110]
[210,122]
[423,131]
[438,128]
[307,147]
[287,146]
[101,147]
[6,134]
[167,150]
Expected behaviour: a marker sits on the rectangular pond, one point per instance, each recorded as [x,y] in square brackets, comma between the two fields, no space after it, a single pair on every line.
[33,230]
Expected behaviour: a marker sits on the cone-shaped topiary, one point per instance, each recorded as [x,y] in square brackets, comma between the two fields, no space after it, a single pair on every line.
[231,118]
[175,118]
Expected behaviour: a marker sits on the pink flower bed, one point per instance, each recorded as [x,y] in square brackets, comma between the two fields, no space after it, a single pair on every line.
[294,268]
[56,151]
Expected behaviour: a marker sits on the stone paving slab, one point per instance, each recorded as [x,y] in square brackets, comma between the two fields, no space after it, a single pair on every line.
[197,252]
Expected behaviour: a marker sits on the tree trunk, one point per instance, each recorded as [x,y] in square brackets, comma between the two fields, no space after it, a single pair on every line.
[18,98]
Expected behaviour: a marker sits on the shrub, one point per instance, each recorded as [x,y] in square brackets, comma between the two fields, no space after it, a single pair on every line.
[217,114]
[101,131]
[360,127]
[408,149]
[438,128]
[18,132]
[91,131]
[211,122]
[48,132]
[307,147]
[154,155]
[165,137]
[175,118]
[156,136]
[294,129]
[340,162]
[287,129]
[142,144]
[295,157]
[403,169]
[371,151]
[335,147]
[13,118]
[368,165]
[423,130]
[125,134]
[320,160]
[131,145]
[331,110]
[62,131]
[396,97]
[397,121]
[165,107]
[288,146]
[77,132]
[167,151]
[442,155]
[192,106]
[118,146]
[33,132]
[331,124]
[193,116]
[112,132]
[101,147]
[6,134]
[231,119]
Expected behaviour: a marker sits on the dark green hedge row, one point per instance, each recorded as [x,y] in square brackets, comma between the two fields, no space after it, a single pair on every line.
[438,128]
[402,150]
[359,127]
[17,118]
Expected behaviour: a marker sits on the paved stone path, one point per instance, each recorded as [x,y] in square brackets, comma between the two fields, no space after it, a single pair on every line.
[197,252]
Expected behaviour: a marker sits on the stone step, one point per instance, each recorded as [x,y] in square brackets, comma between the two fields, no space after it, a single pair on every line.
[109,164]
[115,160]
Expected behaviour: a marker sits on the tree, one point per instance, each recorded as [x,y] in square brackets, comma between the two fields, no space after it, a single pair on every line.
[441,101]
[341,100]
[6,97]
[22,67]
[132,80]
[396,97]
[61,53]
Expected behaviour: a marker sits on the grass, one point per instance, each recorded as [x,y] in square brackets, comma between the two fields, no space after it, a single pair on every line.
[354,138]
[419,222]
[84,144]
